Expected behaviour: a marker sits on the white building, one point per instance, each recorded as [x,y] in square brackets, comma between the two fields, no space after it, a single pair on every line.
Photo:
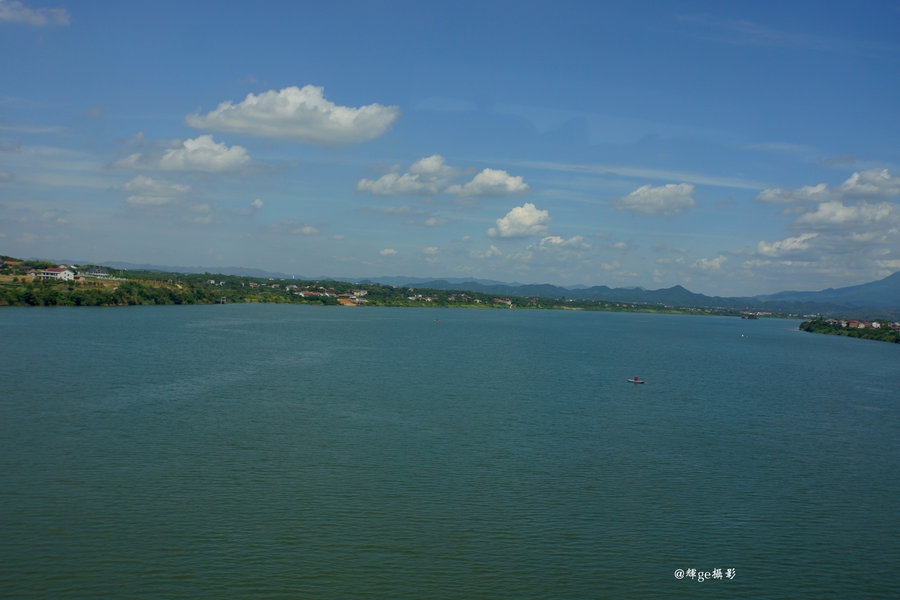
[55,273]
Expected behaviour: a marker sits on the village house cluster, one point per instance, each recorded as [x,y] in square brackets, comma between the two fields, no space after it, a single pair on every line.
[863,324]
[353,298]
[454,297]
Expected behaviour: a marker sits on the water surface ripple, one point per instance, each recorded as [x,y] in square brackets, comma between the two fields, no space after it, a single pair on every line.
[266,451]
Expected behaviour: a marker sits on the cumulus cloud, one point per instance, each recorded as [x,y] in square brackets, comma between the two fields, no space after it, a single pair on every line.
[850,227]
[13,11]
[144,191]
[387,252]
[432,175]
[874,183]
[670,199]
[300,115]
[426,176]
[521,221]
[204,154]
[198,154]
[490,182]
[785,246]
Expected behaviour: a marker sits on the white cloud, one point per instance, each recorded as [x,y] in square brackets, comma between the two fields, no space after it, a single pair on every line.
[642,173]
[521,221]
[710,264]
[14,11]
[492,252]
[848,228]
[404,210]
[145,191]
[387,252]
[54,216]
[205,213]
[490,182]
[874,183]
[434,222]
[204,154]
[199,154]
[431,175]
[791,244]
[555,250]
[293,227]
[298,114]
[807,193]
[426,176]
[255,206]
[555,241]
[864,214]
[93,113]
[871,184]
[430,250]
[669,199]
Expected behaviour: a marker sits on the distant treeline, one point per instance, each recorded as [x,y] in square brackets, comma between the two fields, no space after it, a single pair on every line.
[61,293]
[885,333]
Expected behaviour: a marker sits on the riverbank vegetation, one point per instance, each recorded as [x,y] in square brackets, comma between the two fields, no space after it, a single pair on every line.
[870,330]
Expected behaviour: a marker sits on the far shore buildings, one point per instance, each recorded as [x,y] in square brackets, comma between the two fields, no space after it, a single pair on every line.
[68,273]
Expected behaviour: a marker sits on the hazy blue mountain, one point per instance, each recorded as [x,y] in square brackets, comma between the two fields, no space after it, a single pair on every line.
[240,271]
[884,294]
[398,281]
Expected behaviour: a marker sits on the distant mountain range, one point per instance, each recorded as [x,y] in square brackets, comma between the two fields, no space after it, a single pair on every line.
[876,299]
[237,271]
[869,300]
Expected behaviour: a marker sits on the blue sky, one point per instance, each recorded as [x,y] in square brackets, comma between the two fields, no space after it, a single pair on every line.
[730,147]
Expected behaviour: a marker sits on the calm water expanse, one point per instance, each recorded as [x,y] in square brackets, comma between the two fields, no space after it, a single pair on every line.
[272,451]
